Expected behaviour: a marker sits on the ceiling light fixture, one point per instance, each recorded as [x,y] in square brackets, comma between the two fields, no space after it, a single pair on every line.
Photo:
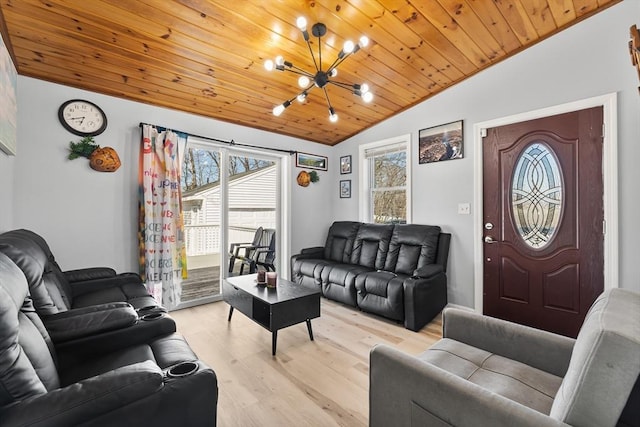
[321,78]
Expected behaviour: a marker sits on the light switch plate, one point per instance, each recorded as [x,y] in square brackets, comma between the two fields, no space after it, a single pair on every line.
[464,208]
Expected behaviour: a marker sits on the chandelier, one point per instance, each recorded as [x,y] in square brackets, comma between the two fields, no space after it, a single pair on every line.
[322,77]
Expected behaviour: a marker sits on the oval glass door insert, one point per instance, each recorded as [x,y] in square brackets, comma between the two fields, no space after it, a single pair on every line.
[537,194]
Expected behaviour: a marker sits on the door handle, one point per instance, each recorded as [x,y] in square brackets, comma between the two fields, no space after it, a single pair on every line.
[489,239]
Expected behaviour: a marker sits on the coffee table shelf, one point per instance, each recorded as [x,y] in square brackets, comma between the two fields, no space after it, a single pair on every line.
[272,308]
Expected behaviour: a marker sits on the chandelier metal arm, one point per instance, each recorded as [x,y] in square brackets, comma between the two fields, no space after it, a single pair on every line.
[312,55]
[347,86]
[299,71]
[341,58]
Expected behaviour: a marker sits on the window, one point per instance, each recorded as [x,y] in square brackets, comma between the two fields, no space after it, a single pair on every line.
[386,181]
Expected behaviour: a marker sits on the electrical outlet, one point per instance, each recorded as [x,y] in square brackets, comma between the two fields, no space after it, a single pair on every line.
[464,208]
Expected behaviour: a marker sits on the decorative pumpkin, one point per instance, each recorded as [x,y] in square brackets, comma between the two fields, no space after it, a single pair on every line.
[104,160]
[303,179]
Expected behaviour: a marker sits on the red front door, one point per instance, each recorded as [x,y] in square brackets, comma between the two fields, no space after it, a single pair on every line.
[543,220]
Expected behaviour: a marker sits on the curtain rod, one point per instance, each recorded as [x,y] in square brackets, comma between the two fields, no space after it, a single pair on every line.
[232,142]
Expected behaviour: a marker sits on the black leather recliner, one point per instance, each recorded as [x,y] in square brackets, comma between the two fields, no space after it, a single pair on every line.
[78,330]
[393,270]
[75,288]
[156,382]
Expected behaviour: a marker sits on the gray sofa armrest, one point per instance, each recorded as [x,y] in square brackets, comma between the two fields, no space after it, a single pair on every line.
[541,349]
[406,391]
[88,399]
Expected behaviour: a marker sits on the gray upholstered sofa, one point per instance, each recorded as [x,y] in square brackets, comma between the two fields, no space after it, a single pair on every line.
[489,372]
[393,270]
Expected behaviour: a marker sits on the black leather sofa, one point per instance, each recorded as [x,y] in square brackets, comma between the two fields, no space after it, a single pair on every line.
[129,379]
[393,270]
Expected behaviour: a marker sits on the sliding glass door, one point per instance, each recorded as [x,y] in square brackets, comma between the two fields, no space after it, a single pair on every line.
[220,209]
[251,212]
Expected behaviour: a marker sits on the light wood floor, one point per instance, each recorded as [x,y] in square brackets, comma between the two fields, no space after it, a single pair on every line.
[308,383]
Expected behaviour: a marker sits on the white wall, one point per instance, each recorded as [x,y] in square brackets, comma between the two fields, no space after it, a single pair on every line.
[587,60]
[76,208]
[90,218]
[6,191]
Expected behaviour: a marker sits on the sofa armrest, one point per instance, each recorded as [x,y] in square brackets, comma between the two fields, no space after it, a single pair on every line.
[89,274]
[88,399]
[424,299]
[74,324]
[84,286]
[541,349]
[427,271]
[406,391]
[314,252]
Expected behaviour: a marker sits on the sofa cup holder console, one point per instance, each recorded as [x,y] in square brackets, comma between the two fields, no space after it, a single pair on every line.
[152,316]
[151,309]
[183,369]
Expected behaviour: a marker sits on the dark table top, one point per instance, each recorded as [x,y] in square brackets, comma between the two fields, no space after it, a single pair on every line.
[284,290]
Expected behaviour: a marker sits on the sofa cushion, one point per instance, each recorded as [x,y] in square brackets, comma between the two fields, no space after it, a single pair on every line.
[18,377]
[371,245]
[382,293]
[517,381]
[412,246]
[605,362]
[339,244]
[338,282]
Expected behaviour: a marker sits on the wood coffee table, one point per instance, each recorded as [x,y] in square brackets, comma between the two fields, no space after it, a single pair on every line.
[272,308]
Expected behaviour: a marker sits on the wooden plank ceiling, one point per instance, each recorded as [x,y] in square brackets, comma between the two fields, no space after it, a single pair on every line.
[206,56]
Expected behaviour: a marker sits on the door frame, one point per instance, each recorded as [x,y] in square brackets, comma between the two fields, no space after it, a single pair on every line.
[283,210]
[610,177]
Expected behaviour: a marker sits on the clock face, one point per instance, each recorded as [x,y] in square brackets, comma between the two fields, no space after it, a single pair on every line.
[82,118]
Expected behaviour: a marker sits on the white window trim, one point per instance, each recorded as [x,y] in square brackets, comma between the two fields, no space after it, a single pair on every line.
[364,183]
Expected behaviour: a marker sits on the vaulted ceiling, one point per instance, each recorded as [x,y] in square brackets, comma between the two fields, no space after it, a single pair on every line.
[206,56]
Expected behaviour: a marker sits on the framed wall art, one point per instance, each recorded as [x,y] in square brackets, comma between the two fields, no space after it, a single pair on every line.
[345,189]
[9,104]
[438,143]
[345,164]
[311,161]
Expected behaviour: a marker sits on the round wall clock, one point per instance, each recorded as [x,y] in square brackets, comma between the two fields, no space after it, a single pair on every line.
[82,118]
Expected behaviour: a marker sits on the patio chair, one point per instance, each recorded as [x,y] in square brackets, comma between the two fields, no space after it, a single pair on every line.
[247,247]
[263,254]
[267,257]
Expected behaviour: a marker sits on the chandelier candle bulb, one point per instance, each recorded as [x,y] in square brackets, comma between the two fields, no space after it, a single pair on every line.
[303,81]
[348,47]
[301,23]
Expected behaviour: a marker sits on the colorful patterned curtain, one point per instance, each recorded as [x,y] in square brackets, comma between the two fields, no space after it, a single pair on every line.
[163,259]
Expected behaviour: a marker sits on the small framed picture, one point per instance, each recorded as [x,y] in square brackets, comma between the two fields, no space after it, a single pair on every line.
[439,143]
[345,189]
[311,161]
[345,164]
